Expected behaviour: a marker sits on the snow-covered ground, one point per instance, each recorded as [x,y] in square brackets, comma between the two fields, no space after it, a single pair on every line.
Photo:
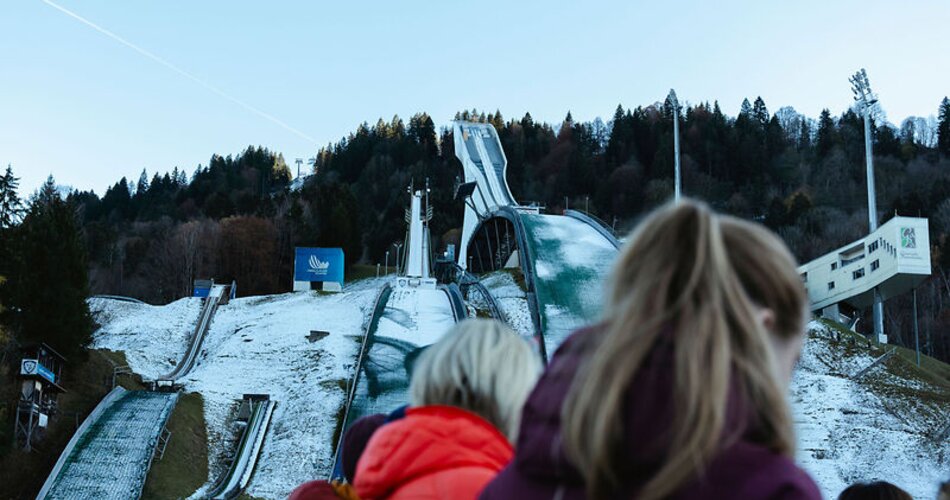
[154,338]
[875,428]
[260,345]
[511,300]
[865,430]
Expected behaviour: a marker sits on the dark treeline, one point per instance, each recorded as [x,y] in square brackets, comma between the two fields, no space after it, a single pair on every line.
[240,217]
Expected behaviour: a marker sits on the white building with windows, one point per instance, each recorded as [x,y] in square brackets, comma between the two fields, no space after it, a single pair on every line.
[894,259]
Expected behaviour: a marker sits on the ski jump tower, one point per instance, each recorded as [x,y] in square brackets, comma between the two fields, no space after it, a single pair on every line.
[417,265]
[478,147]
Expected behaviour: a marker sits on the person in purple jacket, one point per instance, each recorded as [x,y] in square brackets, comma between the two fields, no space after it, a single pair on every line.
[680,392]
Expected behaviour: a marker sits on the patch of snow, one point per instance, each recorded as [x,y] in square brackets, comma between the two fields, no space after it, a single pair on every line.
[416,315]
[154,338]
[259,345]
[512,302]
[849,432]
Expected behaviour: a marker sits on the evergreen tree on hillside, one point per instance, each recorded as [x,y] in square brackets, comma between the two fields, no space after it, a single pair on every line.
[49,283]
[10,206]
[826,134]
[943,128]
[760,113]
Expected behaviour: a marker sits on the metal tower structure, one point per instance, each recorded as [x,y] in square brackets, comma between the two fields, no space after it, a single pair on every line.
[866,100]
[678,189]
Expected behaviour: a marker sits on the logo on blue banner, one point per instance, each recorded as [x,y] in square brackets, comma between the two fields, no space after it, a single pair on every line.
[318,264]
[34,367]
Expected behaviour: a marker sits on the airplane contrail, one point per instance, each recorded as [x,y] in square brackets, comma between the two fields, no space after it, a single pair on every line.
[180,71]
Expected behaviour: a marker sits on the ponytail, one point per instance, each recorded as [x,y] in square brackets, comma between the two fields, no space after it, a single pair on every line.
[703,276]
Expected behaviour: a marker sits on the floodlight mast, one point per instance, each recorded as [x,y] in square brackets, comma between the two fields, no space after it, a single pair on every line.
[677,181]
[866,100]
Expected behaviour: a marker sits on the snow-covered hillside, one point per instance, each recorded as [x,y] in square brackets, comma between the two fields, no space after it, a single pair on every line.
[878,428]
[257,345]
[154,338]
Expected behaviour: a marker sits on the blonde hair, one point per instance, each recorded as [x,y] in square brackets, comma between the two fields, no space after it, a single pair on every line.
[703,277]
[481,366]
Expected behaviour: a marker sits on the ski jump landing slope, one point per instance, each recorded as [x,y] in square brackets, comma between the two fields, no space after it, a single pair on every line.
[109,455]
[405,322]
[571,260]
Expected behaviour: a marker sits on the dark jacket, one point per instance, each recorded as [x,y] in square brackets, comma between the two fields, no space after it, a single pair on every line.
[540,469]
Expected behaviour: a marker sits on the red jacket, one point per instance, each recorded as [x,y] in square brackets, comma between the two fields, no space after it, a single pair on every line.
[434,452]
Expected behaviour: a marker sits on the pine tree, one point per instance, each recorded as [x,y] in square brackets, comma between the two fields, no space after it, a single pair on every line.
[826,134]
[760,113]
[10,205]
[49,280]
[141,187]
[943,128]
[745,109]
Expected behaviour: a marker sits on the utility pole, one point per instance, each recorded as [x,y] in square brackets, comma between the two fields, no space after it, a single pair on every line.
[916,331]
[677,188]
[299,161]
[387,262]
[866,101]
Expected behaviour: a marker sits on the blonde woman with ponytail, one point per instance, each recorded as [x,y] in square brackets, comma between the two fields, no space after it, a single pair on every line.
[680,392]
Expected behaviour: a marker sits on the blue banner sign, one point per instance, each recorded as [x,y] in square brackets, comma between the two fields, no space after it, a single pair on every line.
[318,264]
[34,367]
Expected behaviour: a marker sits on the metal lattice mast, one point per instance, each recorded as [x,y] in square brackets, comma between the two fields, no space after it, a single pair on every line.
[866,101]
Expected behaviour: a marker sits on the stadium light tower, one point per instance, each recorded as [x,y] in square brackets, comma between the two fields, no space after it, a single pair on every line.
[677,188]
[866,101]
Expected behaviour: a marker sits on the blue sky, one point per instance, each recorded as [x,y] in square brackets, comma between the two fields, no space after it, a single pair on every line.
[89,110]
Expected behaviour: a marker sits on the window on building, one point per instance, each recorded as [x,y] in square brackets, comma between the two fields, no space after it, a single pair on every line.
[858,274]
[875,265]
[805,277]
[834,265]
[872,247]
[831,285]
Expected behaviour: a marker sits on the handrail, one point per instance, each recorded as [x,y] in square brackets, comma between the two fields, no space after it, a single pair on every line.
[466,280]
[459,311]
[113,395]
[598,225]
[526,258]
[118,297]
[378,306]
[238,476]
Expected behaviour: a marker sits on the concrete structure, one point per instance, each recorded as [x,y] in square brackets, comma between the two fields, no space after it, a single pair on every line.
[563,258]
[417,268]
[894,259]
[478,147]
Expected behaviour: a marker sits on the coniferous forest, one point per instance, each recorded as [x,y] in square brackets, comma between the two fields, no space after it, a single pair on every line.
[240,216]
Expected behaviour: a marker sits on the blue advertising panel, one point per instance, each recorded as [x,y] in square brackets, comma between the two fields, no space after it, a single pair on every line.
[202,292]
[318,264]
[34,367]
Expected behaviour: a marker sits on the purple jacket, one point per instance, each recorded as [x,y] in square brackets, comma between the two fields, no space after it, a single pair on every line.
[540,469]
